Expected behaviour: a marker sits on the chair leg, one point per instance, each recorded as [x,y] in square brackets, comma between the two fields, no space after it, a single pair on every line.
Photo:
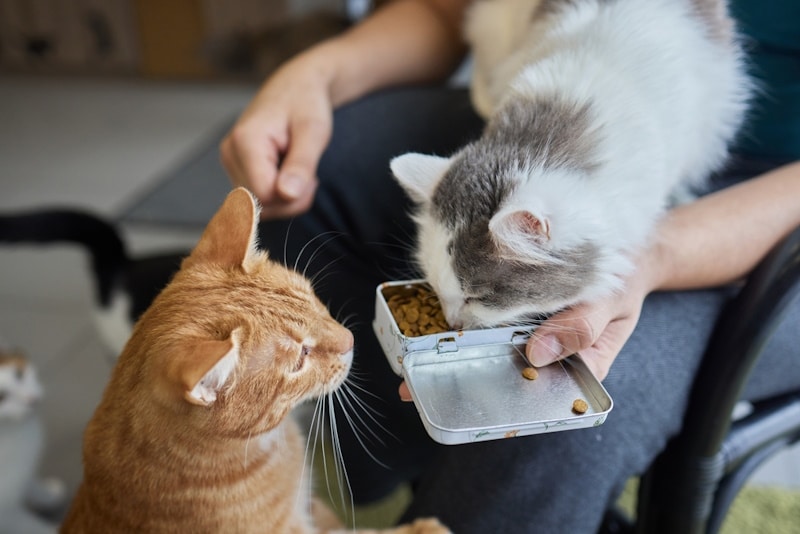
[732,483]
[676,497]
[616,522]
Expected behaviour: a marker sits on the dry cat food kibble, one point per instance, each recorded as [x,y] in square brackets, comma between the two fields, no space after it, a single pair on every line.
[579,406]
[530,373]
[416,310]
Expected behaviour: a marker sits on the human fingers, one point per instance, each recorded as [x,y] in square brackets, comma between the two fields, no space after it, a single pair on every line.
[297,179]
[250,156]
[280,209]
[564,333]
[405,394]
[597,331]
[604,351]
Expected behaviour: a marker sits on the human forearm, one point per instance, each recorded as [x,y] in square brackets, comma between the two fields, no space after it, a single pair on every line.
[715,240]
[721,237]
[407,41]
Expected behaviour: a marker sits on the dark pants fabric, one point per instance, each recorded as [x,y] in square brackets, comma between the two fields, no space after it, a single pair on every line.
[359,234]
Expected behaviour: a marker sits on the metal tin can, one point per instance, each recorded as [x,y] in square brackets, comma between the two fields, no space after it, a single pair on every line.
[468,385]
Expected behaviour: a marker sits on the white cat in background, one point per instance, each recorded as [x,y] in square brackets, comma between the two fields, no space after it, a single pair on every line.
[21,443]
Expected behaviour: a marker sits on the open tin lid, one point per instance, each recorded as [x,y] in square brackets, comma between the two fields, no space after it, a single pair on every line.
[468,385]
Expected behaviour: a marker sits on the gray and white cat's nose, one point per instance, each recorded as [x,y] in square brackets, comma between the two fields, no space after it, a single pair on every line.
[454,317]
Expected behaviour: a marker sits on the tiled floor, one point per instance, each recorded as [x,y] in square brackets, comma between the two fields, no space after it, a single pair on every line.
[94,144]
[97,143]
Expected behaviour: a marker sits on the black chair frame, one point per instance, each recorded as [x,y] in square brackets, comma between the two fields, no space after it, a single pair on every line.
[690,486]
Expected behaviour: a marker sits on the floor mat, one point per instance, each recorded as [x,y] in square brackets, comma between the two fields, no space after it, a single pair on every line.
[189,194]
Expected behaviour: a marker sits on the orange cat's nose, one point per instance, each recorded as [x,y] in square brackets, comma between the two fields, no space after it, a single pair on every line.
[348,341]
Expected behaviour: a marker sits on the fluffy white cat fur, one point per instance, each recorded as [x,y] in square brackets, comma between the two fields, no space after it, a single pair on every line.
[643,99]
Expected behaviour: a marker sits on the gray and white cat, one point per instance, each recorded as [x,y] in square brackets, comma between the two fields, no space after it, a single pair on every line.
[21,443]
[599,113]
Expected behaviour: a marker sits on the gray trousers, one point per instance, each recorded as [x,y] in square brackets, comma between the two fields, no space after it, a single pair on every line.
[358,234]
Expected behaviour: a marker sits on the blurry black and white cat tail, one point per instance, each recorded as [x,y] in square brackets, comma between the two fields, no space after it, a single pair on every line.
[600,113]
[124,286]
[23,497]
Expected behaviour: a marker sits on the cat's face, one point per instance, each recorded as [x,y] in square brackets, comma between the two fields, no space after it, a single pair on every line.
[236,339]
[19,387]
[485,245]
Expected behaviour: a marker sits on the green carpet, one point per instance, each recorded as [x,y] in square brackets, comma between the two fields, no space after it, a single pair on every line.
[756,510]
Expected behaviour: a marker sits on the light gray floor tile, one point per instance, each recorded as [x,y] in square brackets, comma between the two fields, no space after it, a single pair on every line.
[54,276]
[73,386]
[96,142]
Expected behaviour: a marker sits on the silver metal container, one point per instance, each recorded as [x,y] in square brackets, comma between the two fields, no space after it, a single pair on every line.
[468,386]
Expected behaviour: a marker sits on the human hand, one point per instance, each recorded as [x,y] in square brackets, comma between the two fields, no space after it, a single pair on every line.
[274,148]
[598,329]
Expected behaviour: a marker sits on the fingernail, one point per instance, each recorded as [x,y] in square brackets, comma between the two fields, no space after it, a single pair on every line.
[545,351]
[291,185]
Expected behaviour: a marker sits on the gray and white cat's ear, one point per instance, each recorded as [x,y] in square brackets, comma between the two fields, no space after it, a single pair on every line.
[204,367]
[419,174]
[230,238]
[521,235]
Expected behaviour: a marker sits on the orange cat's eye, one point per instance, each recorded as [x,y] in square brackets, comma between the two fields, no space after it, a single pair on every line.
[305,350]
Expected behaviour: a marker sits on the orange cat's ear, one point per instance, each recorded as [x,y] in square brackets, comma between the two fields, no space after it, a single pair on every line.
[202,368]
[230,237]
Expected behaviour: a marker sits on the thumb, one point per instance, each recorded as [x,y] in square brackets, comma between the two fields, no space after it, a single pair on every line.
[544,349]
[564,334]
[299,168]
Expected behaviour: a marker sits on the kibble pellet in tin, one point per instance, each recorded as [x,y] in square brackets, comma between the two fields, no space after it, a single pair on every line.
[417,311]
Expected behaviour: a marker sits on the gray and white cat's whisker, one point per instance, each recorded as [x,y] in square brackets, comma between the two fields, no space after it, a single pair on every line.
[401,259]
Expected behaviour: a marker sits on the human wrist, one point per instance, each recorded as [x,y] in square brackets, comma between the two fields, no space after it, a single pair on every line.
[652,266]
[333,64]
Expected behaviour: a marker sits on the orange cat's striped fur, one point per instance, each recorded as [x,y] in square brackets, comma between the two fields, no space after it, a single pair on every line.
[192,433]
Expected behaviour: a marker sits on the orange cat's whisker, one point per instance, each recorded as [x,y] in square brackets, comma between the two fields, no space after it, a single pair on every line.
[358,432]
[341,471]
[316,250]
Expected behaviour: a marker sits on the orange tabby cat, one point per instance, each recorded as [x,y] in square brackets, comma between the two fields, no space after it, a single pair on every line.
[192,433]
